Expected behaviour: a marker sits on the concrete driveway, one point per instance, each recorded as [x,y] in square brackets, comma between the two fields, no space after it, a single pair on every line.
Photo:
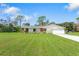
[72,37]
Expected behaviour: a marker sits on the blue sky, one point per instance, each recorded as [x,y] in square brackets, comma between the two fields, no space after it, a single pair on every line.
[57,12]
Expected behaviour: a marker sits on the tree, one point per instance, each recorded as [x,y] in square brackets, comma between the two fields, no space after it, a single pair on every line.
[8,19]
[77,20]
[12,28]
[26,24]
[19,18]
[41,20]
[69,26]
[14,23]
[47,22]
[1,20]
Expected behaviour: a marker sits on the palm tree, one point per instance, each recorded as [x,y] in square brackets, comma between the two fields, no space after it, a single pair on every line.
[8,19]
[41,20]
[19,18]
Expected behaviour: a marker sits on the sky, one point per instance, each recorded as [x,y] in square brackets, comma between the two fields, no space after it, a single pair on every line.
[56,12]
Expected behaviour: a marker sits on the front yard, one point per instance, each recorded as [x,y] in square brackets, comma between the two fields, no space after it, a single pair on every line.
[33,44]
[74,33]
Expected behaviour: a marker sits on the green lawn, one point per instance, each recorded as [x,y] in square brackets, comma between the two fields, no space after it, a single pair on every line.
[32,44]
[74,33]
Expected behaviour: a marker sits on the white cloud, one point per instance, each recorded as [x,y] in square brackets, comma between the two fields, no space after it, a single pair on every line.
[72,6]
[11,10]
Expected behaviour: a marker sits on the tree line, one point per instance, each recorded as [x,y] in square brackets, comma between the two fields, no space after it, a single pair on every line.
[16,24]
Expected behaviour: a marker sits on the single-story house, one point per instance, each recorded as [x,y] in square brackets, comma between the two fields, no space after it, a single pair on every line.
[77,27]
[52,28]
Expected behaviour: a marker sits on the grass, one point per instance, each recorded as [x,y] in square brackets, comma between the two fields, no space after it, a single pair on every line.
[74,33]
[33,44]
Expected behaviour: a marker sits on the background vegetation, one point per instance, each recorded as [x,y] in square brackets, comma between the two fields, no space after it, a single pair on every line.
[15,25]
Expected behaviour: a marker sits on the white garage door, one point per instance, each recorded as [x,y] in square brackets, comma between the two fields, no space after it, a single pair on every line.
[58,31]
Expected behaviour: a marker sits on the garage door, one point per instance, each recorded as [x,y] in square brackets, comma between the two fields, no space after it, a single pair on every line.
[58,31]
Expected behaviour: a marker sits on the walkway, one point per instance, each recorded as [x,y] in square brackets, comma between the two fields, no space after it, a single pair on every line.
[72,37]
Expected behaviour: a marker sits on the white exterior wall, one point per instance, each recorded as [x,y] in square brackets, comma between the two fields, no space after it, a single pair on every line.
[30,30]
[62,31]
[24,29]
[50,30]
[37,30]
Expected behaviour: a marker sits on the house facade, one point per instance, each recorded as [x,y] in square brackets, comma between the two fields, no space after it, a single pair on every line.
[77,27]
[52,28]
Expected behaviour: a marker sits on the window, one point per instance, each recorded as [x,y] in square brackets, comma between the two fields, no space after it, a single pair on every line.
[42,29]
[34,30]
[26,30]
